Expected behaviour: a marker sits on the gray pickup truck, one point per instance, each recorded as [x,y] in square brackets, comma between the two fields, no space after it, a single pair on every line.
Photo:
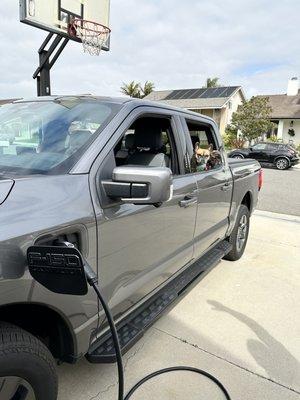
[145,192]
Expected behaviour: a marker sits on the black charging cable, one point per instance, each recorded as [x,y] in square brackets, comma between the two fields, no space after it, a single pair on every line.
[93,281]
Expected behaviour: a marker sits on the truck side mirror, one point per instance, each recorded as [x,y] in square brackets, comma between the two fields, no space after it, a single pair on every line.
[140,185]
[59,269]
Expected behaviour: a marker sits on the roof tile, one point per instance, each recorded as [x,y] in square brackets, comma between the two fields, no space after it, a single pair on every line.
[284,106]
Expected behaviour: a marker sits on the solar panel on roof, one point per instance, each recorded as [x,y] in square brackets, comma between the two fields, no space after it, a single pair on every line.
[187,94]
[184,94]
[197,93]
[229,91]
[220,92]
[174,95]
[204,93]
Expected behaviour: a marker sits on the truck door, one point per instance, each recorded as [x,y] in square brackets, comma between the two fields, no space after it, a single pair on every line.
[142,246]
[214,182]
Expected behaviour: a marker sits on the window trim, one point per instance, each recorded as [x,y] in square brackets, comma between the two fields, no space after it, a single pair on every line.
[173,142]
[107,150]
[189,144]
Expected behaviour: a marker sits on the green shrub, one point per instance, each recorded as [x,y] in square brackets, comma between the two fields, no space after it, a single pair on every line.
[273,139]
[232,140]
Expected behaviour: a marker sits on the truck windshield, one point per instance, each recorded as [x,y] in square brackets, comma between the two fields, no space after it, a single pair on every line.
[48,137]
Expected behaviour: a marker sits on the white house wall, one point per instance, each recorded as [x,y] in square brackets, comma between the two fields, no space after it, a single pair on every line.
[236,101]
[230,107]
[283,128]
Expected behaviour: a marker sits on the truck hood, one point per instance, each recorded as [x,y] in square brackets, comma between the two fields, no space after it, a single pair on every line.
[6,186]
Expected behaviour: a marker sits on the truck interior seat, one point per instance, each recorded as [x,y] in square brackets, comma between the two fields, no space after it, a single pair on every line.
[148,141]
[128,149]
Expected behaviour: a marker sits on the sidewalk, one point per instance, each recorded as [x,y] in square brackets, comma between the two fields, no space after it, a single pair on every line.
[240,323]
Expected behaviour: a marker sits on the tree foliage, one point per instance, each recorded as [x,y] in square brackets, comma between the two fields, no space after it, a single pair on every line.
[136,90]
[131,89]
[211,83]
[147,88]
[252,118]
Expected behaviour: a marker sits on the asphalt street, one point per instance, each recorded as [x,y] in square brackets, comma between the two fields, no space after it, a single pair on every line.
[281,191]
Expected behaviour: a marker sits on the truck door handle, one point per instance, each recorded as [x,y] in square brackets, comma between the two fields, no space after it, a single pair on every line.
[188,201]
[226,187]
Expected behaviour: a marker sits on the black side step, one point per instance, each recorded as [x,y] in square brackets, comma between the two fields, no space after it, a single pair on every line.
[131,329]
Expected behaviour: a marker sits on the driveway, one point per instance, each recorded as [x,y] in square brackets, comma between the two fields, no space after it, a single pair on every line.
[281,191]
[240,323]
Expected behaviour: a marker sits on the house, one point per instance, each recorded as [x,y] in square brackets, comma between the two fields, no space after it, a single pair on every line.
[286,113]
[218,103]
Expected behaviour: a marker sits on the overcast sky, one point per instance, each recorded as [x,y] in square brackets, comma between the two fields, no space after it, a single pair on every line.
[174,43]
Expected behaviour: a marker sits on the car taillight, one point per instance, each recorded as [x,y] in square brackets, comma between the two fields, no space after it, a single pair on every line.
[260,179]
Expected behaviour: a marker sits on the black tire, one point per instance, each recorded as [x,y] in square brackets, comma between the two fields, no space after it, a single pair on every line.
[238,249]
[238,156]
[282,163]
[23,355]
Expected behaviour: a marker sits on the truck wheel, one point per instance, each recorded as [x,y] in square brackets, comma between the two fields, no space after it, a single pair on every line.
[27,368]
[239,235]
[282,163]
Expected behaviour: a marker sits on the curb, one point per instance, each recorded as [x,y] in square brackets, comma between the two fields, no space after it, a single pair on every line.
[282,217]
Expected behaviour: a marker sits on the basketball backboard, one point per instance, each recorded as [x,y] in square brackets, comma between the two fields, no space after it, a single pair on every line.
[56,15]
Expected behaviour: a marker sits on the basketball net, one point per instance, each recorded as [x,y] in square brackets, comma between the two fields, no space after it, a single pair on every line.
[93,35]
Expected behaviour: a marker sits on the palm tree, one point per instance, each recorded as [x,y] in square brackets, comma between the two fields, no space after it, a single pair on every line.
[147,89]
[211,83]
[132,89]
[135,89]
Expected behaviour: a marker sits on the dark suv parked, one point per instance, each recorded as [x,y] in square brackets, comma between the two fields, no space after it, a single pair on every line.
[282,156]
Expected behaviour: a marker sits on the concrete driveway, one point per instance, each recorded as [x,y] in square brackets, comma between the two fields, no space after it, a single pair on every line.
[241,323]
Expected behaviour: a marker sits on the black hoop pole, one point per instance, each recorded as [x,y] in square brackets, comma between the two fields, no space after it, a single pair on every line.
[42,73]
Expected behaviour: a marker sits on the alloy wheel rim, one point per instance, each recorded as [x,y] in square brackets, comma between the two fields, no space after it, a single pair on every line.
[242,233]
[15,388]
[281,164]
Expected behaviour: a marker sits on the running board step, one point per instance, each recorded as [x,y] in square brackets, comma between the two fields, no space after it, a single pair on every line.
[132,328]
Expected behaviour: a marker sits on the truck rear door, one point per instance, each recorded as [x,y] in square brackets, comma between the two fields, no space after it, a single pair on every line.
[214,182]
[141,246]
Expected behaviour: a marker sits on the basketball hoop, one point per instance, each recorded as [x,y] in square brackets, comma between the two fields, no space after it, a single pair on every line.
[92,35]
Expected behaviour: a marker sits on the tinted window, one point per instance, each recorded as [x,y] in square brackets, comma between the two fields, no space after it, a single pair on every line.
[259,146]
[49,136]
[272,147]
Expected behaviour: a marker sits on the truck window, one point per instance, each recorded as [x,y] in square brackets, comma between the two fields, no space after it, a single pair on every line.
[46,137]
[149,141]
[205,155]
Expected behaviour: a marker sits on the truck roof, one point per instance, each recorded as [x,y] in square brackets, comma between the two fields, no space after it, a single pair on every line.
[116,100]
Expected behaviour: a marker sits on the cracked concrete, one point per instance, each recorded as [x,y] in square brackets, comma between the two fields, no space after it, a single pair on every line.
[126,363]
[240,323]
[224,359]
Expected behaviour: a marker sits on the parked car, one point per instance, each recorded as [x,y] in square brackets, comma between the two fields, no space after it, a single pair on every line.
[148,212]
[282,156]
